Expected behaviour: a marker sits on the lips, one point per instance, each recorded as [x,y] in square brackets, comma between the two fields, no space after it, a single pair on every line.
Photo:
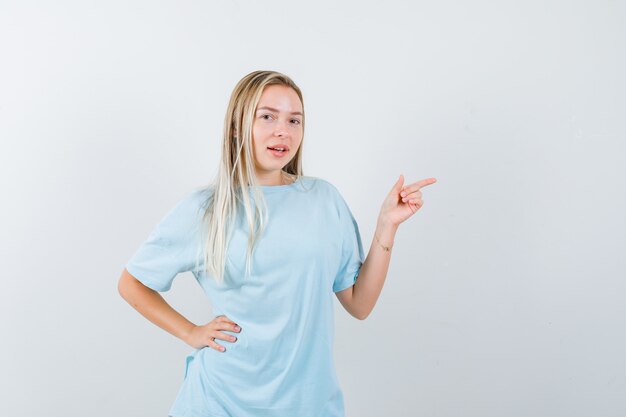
[279,147]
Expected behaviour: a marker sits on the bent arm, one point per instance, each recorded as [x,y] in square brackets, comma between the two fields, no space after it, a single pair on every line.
[359,299]
[153,306]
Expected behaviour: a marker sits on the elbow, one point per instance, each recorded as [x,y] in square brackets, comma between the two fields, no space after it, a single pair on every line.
[121,287]
[125,284]
[361,315]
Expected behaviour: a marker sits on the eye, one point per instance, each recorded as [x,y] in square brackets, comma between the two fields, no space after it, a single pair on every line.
[295,121]
[266,118]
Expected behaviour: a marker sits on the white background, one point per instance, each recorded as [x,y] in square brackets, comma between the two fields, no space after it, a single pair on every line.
[506,294]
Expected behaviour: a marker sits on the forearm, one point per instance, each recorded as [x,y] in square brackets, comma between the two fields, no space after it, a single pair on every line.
[152,305]
[373,272]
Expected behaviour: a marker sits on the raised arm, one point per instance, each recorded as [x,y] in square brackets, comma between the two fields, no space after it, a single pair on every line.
[401,203]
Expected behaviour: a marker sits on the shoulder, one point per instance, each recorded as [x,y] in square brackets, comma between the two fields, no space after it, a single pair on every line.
[329,195]
[200,196]
[189,208]
[321,184]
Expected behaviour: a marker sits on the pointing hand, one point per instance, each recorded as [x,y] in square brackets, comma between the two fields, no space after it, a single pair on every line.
[403,201]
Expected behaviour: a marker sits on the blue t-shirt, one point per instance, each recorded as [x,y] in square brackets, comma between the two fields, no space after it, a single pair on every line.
[282,363]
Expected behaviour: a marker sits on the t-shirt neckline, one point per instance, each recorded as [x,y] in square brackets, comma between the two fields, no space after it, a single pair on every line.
[277,188]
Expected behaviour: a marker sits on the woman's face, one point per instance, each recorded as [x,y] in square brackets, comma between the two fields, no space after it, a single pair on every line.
[277,124]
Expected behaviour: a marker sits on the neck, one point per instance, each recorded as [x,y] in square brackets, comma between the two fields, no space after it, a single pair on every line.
[279,178]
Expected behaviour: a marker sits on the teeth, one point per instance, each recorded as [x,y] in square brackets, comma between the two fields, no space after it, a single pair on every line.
[278,149]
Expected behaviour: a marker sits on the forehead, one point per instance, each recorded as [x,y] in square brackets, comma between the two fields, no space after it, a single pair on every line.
[280,97]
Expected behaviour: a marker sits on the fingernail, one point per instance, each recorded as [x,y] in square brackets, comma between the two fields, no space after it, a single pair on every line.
[237,328]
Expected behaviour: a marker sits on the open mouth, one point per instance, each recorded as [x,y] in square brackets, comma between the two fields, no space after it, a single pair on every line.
[278,149]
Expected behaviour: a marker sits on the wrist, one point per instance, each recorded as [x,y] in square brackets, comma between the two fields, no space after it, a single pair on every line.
[385,226]
[385,234]
[386,247]
[186,334]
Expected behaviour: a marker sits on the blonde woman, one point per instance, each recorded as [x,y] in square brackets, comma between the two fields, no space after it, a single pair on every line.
[269,247]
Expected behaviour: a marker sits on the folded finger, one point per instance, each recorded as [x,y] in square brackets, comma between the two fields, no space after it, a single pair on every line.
[412,196]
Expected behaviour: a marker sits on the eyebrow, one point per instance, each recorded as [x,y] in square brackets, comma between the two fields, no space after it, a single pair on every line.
[276,110]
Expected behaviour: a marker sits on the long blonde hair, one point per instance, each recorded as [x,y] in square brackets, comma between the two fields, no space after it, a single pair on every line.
[237,172]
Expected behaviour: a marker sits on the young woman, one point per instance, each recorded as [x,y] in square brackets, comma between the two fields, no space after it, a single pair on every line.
[269,246]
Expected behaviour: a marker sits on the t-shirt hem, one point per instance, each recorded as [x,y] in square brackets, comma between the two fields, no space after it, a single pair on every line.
[131,269]
[349,281]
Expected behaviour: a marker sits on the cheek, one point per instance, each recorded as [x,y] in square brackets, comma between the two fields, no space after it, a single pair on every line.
[299,138]
[257,137]
[258,134]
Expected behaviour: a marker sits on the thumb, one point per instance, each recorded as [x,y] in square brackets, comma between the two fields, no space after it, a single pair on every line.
[397,187]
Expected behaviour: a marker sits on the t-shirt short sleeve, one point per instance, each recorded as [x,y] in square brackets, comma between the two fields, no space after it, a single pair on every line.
[351,248]
[171,247]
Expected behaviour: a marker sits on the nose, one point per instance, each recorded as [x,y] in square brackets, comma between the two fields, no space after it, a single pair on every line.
[281,129]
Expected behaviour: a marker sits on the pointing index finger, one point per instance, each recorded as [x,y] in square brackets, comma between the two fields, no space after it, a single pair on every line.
[424,183]
[416,186]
